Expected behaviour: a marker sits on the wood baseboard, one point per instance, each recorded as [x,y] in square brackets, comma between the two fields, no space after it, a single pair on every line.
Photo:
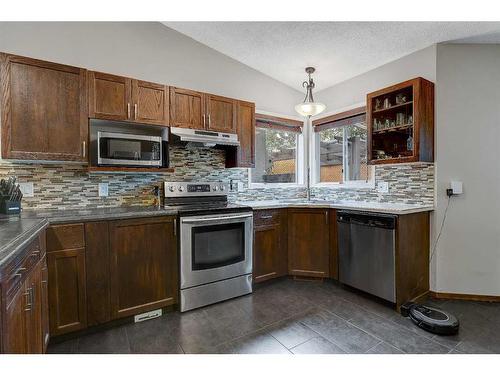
[465,297]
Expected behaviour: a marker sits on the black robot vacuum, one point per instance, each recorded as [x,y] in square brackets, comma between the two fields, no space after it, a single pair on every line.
[431,319]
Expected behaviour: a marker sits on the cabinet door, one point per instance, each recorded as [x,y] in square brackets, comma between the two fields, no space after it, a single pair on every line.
[44,110]
[97,272]
[14,328]
[67,297]
[221,114]
[150,103]
[33,317]
[45,304]
[187,108]
[109,96]
[267,252]
[246,134]
[308,242]
[143,265]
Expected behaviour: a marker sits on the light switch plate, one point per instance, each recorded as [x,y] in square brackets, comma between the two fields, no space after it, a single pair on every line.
[27,189]
[103,189]
[383,187]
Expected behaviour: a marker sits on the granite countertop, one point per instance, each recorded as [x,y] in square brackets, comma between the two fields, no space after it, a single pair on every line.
[17,230]
[387,208]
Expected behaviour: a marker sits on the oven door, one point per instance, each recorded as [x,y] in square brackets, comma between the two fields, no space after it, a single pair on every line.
[215,247]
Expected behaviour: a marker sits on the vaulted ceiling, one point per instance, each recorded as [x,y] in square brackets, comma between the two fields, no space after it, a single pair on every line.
[338,50]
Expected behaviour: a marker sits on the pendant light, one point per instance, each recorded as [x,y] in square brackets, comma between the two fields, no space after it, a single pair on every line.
[309,107]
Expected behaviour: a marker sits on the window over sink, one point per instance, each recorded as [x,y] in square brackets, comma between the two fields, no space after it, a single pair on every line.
[339,149]
[279,155]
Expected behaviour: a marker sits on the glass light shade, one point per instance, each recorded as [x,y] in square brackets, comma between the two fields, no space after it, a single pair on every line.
[310,108]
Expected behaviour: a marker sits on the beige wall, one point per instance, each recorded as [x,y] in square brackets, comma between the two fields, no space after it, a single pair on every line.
[353,91]
[148,51]
[467,149]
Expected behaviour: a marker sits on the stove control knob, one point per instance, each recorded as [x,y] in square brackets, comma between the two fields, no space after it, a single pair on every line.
[215,188]
[181,188]
[171,188]
[222,188]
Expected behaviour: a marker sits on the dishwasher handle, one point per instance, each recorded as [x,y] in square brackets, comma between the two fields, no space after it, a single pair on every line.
[370,220]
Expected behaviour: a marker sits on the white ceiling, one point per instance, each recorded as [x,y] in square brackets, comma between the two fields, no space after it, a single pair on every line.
[338,50]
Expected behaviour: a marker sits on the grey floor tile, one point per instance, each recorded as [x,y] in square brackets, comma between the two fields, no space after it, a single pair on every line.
[317,345]
[384,348]
[259,342]
[396,335]
[291,332]
[307,317]
[153,337]
[112,341]
[348,337]
[339,306]
[65,347]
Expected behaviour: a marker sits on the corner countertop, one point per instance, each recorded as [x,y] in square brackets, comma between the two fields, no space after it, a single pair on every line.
[18,230]
[386,208]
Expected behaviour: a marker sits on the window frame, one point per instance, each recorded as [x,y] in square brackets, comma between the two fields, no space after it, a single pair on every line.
[315,156]
[300,154]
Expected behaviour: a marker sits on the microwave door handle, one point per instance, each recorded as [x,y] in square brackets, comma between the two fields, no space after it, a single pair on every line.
[211,219]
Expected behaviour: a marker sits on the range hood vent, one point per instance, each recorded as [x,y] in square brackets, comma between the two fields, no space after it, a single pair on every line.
[205,138]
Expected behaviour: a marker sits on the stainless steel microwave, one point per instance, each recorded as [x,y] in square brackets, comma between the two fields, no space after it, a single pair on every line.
[132,150]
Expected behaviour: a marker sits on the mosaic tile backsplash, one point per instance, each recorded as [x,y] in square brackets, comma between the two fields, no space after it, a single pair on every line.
[66,186]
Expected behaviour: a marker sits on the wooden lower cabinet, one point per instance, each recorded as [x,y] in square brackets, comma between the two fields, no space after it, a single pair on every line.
[309,242]
[67,299]
[143,265]
[23,304]
[270,256]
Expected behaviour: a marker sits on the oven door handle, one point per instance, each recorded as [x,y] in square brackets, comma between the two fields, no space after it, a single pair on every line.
[219,218]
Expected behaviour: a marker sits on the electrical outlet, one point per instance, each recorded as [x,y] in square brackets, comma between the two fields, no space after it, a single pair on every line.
[103,189]
[27,189]
[383,187]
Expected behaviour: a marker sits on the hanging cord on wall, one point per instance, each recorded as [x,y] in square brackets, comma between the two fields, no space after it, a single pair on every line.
[440,229]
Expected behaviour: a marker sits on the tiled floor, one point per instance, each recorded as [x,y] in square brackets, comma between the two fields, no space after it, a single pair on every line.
[296,317]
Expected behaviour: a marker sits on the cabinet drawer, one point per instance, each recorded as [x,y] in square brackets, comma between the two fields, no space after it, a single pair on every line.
[20,270]
[66,236]
[265,217]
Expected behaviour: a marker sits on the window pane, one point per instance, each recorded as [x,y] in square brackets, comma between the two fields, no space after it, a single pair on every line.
[357,168]
[330,152]
[275,156]
[342,154]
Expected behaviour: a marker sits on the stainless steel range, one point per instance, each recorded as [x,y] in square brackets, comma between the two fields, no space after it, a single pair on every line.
[216,240]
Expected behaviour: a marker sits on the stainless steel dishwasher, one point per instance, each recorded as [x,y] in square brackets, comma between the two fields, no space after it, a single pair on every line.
[367,252]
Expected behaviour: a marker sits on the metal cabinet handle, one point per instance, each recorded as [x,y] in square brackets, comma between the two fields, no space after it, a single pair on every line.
[128,110]
[204,121]
[35,253]
[209,121]
[175,227]
[326,217]
[135,111]
[267,217]
[19,272]
[28,299]
[84,148]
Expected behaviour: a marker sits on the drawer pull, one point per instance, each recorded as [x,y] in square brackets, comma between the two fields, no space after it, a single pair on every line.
[266,217]
[19,272]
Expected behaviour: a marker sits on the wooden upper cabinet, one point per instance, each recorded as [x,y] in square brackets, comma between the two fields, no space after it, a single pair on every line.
[124,99]
[244,155]
[44,110]
[400,122]
[150,102]
[187,108]
[308,242]
[220,114]
[109,96]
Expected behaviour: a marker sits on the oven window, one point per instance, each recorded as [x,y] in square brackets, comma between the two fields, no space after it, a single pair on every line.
[218,245]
